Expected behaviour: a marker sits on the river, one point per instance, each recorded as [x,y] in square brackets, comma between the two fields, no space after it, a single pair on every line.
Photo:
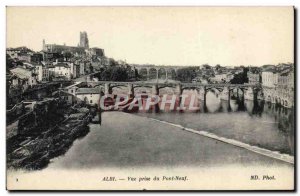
[126,140]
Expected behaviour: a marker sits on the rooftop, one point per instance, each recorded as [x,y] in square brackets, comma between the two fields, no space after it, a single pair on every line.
[286,71]
[270,69]
[88,91]
[21,73]
[61,64]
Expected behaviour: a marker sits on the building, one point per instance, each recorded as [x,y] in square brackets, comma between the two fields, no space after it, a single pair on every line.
[253,78]
[24,77]
[24,57]
[200,79]
[269,77]
[81,68]
[19,52]
[278,85]
[89,96]
[84,41]
[219,78]
[54,48]
[63,70]
[80,49]
[285,87]
[52,56]
[36,57]
[98,52]
[43,73]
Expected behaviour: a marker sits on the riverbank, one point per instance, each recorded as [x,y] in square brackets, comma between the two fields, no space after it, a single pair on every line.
[33,149]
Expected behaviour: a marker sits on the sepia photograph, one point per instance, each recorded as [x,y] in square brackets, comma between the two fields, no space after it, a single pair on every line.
[150,98]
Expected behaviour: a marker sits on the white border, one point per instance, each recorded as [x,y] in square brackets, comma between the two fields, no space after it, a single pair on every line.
[5,3]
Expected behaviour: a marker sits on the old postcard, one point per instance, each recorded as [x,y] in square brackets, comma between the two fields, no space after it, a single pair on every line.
[150,98]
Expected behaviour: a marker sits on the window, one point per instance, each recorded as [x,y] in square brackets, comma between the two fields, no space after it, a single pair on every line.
[91,101]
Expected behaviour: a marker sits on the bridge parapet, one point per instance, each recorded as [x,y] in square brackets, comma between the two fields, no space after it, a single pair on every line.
[183,86]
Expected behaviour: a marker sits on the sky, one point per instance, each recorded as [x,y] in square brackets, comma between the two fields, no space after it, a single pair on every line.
[228,36]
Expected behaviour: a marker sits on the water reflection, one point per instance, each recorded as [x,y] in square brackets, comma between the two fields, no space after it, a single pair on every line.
[254,122]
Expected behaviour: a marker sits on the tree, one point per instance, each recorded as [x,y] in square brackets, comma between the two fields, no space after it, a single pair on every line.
[9,62]
[206,66]
[114,73]
[187,74]
[218,67]
[67,55]
[240,78]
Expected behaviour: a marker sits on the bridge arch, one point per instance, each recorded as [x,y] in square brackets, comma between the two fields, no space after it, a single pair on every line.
[220,89]
[141,86]
[143,73]
[140,89]
[152,73]
[171,74]
[162,73]
[96,85]
[118,85]
[192,88]
[167,86]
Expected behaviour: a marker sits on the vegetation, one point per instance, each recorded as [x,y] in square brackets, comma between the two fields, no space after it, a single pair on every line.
[67,55]
[240,78]
[187,74]
[114,73]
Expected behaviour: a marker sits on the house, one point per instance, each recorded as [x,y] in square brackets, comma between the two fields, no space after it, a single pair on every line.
[200,79]
[20,53]
[24,77]
[96,52]
[81,68]
[219,78]
[36,57]
[285,87]
[75,70]
[90,96]
[269,77]
[253,78]
[24,57]
[229,77]
[43,73]
[65,70]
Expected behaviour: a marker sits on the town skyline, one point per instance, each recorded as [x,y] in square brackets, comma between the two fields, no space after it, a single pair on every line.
[192,42]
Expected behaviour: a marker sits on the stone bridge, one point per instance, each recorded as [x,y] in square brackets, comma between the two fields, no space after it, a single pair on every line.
[157,72]
[225,89]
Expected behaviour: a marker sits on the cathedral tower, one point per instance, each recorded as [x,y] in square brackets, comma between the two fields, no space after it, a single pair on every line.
[84,41]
